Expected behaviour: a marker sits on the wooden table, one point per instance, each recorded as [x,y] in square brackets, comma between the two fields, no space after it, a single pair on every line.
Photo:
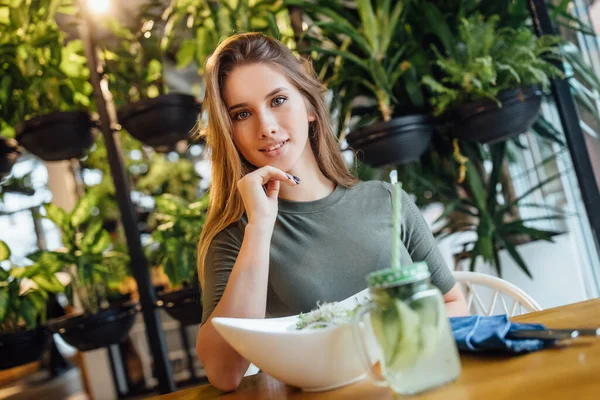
[571,372]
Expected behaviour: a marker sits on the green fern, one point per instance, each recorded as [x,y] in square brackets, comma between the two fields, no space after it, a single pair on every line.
[488,59]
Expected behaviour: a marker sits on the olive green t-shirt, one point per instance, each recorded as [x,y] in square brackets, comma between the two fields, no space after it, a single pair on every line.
[321,251]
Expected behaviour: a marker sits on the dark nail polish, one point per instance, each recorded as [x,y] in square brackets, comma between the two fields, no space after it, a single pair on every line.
[289,176]
[296,179]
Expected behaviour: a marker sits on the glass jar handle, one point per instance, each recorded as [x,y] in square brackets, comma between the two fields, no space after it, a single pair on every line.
[361,343]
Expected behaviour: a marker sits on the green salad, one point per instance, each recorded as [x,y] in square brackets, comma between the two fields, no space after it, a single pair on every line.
[325,315]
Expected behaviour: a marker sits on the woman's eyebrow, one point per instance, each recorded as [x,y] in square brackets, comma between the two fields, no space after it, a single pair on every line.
[271,93]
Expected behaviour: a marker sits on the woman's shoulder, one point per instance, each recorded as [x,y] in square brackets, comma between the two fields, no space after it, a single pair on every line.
[372,188]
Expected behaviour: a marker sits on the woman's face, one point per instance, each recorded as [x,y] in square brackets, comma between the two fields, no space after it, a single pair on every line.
[269,117]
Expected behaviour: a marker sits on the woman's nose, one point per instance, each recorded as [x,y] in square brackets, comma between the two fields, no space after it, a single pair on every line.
[268,125]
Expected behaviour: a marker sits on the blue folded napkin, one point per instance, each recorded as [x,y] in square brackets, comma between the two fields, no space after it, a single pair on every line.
[479,333]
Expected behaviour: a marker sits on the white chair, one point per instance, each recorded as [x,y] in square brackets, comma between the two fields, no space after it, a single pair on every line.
[520,302]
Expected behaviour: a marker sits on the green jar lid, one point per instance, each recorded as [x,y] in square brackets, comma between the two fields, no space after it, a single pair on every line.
[394,277]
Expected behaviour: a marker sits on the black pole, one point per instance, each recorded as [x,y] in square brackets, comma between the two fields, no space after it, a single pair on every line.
[186,347]
[570,122]
[156,338]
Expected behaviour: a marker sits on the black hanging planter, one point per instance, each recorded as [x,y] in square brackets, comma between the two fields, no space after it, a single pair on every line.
[8,155]
[162,121]
[57,136]
[107,327]
[22,347]
[184,305]
[398,141]
[484,122]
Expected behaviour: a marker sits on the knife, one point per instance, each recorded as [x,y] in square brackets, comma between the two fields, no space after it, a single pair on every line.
[556,334]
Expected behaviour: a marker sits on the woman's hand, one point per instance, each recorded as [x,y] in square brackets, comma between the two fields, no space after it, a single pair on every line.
[261,204]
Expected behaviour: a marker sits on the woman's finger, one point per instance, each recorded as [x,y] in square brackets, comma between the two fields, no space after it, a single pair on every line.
[273,188]
[268,173]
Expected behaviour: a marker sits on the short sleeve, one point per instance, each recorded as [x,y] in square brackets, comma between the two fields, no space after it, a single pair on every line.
[220,259]
[422,246]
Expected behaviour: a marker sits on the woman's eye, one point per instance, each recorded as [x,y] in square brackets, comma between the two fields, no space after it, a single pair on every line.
[241,115]
[277,101]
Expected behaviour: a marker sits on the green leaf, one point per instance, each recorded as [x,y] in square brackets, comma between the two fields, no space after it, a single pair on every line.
[533,189]
[343,28]
[4,15]
[5,89]
[573,57]
[512,250]
[4,251]
[28,312]
[170,204]
[389,29]
[185,55]
[51,260]
[154,70]
[103,242]
[39,302]
[18,272]
[273,27]
[369,24]
[199,206]
[474,181]
[536,234]
[49,283]
[497,262]
[497,152]
[346,55]
[436,24]
[545,129]
[83,210]
[33,270]
[58,216]
[91,235]
[102,269]
[560,8]
[583,101]
[3,302]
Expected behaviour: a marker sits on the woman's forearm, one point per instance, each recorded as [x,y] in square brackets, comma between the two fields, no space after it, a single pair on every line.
[246,293]
[245,297]
[456,305]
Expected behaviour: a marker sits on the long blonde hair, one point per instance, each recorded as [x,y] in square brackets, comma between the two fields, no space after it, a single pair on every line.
[228,166]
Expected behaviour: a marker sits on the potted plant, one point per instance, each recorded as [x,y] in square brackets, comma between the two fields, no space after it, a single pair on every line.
[145,109]
[44,91]
[174,245]
[496,227]
[23,296]
[489,84]
[94,270]
[211,21]
[372,57]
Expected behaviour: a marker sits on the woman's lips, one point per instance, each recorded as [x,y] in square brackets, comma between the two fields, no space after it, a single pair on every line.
[276,150]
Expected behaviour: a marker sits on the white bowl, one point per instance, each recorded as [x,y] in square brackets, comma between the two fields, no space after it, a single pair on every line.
[314,359]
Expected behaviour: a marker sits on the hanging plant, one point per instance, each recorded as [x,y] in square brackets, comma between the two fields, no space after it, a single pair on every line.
[174,245]
[368,57]
[136,79]
[44,88]
[490,85]
[23,296]
[95,270]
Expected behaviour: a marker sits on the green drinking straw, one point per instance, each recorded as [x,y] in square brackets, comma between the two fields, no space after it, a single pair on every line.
[397,218]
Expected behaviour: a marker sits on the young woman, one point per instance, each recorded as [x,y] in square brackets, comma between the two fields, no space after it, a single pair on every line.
[288,225]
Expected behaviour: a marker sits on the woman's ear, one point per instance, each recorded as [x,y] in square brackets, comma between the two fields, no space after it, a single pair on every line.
[311,117]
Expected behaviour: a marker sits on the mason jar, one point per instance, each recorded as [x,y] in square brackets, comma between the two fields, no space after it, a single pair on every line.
[409,325]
